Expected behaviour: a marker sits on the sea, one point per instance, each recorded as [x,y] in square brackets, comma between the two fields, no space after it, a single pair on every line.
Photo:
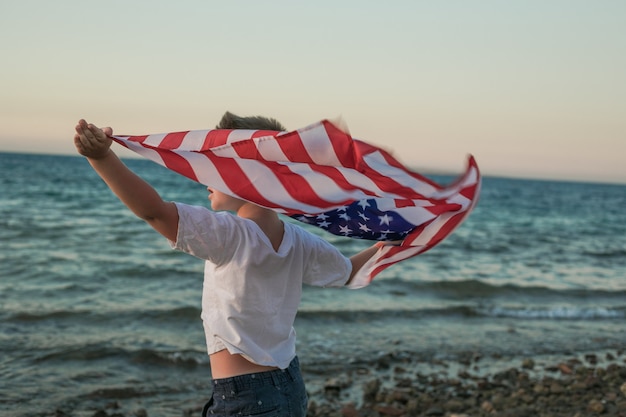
[95,308]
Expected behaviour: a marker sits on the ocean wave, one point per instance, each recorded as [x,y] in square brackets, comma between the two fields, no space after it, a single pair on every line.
[166,358]
[481,289]
[364,315]
[557,313]
[163,315]
[611,253]
[143,356]
[24,316]
[555,309]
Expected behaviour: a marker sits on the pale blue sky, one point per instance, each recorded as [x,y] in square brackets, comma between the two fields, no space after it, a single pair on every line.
[530,88]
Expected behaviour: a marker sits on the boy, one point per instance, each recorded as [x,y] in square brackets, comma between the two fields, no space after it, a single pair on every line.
[254,270]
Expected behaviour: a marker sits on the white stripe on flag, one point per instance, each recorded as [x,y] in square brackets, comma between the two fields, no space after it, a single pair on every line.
[269,149]
[239,134]
[194,140]
[318,146]
[155,140]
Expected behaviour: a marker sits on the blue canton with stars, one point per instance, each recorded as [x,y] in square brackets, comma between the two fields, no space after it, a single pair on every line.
[360,220]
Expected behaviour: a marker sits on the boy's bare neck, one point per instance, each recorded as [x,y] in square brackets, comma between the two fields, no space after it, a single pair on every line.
[267,220]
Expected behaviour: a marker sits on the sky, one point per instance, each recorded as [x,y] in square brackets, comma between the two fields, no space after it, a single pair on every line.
[532,88]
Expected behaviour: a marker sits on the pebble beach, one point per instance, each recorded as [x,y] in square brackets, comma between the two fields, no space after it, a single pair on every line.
[592,384]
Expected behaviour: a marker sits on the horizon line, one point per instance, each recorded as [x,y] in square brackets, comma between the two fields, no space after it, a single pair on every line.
[425,172]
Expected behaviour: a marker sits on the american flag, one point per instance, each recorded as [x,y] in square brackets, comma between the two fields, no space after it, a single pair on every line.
[321,176]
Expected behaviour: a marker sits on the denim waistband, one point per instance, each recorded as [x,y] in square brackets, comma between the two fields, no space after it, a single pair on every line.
[235,384]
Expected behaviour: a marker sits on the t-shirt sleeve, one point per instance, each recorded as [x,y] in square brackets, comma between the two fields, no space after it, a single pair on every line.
[204,233]
[327,267]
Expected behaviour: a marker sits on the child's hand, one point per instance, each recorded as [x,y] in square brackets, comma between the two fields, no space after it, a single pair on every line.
[91,141]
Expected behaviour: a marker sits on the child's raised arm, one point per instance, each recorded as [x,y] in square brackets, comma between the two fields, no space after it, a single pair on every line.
[139,196]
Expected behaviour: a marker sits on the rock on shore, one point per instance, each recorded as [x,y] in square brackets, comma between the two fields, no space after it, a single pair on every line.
[571,388]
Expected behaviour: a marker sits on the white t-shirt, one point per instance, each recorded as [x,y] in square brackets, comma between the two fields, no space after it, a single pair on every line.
[251,292]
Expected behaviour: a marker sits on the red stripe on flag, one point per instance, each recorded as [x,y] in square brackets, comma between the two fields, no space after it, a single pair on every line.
[247,149]
[342,143]
[389,185]
[263,133]
[469,192]
[139,139]
[172,140]
[334,174]
[177,163]
[215,138]
[446,229]
[404,203]
[292,147]
[237,181]
[390,160]
[298,187]
[442,208]
[380,264]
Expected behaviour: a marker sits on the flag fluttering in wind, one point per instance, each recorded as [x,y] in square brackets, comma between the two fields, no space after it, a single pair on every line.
[321,176]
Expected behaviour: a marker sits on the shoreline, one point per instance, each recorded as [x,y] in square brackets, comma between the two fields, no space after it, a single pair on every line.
[589,384]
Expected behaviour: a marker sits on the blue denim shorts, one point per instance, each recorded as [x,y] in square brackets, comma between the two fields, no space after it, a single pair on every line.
[269,394]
